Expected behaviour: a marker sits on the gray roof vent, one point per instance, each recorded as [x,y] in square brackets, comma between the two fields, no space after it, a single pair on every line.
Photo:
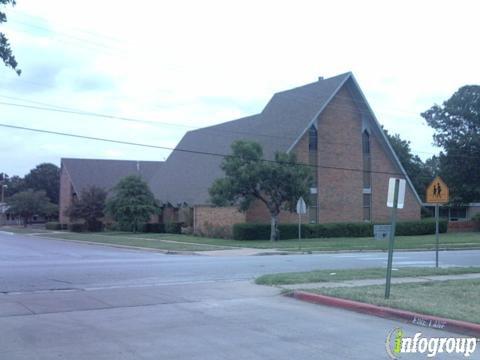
[320,78]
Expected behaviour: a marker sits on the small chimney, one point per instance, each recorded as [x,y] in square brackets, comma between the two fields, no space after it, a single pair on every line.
[320,78]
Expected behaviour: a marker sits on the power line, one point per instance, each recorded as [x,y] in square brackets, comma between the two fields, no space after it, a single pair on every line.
[62,109]
[50,132]
[55,108]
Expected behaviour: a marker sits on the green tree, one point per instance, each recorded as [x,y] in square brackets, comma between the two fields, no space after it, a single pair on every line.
[89,207]
[278,184]
[46,177]
[132,203]
[14,184]
[457,130]
[419,172]
[28,203]
[5,51]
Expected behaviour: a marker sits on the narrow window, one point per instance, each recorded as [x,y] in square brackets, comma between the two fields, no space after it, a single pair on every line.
[367,163]
[313,161]
[312,138]
[367,199]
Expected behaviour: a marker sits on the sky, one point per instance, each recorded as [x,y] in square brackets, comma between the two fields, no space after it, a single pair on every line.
[167,67]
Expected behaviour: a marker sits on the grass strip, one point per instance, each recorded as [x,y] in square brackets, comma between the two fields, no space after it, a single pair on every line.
[453,299]
[357,274]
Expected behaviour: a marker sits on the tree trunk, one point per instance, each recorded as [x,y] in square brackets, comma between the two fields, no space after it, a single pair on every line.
[273,228]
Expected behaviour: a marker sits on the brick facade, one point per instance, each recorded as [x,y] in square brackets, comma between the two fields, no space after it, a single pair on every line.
[66,195]
[207,218]
[340,192]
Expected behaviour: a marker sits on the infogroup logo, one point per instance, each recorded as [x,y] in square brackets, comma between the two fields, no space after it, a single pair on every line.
[398,344]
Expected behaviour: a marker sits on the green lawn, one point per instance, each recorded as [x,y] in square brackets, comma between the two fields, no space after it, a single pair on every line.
[132,240]
[357,274]
[447,241]
[188,242]
[455,299]
[24,230]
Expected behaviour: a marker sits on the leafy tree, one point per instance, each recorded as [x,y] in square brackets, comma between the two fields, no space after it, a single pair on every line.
[132,203]
[278,184]
[46,177]
[90,207]
[457,130]
[28,203]
[5,51]
[419,173]
[14,184]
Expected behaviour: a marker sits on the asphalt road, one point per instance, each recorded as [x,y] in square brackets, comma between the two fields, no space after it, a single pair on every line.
[76,301]
[30,263]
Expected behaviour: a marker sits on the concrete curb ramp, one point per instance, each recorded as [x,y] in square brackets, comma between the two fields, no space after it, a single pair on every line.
[430,321]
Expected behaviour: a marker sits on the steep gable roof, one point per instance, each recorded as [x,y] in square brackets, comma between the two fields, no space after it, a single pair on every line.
[187,174]
[195,163]
[106,173]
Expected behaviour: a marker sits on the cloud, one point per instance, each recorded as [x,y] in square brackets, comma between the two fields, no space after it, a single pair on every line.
[36,78]
[92,82]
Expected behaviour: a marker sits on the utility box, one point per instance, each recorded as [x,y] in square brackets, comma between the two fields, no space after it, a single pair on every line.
[382,232]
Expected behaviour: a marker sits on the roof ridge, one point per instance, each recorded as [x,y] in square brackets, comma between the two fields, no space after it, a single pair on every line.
[348,73]
[119,160]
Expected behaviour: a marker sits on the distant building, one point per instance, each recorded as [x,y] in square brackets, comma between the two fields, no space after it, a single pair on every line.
[80,174]
[327,124]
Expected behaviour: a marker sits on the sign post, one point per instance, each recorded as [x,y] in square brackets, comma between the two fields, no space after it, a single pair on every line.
[437,193]
[301,209]
[395,200]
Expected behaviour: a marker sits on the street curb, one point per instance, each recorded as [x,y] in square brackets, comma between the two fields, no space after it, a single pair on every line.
[386,251]
[128,247]
[430,321]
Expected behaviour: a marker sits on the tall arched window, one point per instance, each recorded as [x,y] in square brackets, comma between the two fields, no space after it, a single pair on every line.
[367,164]
[313,160]
[367,176]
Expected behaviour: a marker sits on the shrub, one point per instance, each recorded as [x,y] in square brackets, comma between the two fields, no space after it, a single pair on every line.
[251,231]
[339,230]
[476,217]
[53,225]
[290,231]
[215,231]
[94,226]
[424,227]
[154,228]
[76,227]
[173,228]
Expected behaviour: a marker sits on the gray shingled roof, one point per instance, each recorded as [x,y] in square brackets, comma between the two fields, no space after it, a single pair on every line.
[186,177]
[107,173]
[187,174]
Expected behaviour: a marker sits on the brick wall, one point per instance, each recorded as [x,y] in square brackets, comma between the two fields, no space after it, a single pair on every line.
[380,212]
[340,146]
[463,226]
[340,192]
[206,217]
[65,198]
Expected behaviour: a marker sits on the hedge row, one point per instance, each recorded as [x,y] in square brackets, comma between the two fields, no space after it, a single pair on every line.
[171,228]
[290,231]
[54,225]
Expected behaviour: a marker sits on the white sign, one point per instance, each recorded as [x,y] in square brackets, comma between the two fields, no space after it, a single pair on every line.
[391,192]
[301,206]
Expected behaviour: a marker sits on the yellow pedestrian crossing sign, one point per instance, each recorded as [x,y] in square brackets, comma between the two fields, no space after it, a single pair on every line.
[437,192]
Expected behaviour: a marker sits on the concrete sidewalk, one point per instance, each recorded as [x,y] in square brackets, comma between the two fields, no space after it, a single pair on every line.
[367,282]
